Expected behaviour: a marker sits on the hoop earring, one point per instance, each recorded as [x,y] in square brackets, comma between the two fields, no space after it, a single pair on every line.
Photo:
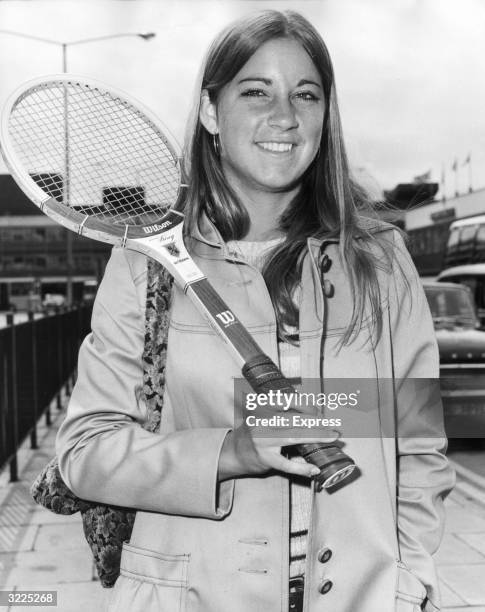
[215,142]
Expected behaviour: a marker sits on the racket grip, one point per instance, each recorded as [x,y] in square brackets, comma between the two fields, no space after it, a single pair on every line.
[335,466]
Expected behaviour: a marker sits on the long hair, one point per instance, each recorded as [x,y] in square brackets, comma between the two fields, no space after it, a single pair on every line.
[328,202]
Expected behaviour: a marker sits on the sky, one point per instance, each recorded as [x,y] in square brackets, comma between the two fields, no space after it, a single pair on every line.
[409,73]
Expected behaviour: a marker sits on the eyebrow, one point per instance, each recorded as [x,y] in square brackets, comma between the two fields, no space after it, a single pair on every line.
[270,82]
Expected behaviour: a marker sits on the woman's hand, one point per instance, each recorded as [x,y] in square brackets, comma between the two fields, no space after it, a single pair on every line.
[244,454]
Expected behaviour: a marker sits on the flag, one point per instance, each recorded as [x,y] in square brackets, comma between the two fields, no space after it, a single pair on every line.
[467,160]
[422,178]
[443,183]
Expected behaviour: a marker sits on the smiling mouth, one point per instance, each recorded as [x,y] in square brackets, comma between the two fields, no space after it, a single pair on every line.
[276,147]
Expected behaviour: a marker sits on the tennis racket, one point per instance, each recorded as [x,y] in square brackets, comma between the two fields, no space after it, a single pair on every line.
[104,166]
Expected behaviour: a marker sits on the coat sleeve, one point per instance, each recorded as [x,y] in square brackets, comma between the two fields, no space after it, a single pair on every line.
[425,476]
[104,453]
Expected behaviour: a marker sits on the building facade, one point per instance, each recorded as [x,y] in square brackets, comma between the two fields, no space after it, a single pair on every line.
[33,254]
[428,228]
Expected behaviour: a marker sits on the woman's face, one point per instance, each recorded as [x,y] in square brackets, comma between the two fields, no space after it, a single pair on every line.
[269,119]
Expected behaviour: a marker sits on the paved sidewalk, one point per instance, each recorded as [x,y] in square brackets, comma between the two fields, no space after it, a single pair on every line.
[42,550]
[461,558]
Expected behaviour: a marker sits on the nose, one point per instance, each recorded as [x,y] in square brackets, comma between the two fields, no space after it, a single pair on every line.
[282,114]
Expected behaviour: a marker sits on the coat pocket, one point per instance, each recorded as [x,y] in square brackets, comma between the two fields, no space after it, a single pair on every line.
[150,581]
[410,591]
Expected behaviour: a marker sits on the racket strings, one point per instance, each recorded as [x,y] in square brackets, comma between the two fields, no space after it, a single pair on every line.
[94,153]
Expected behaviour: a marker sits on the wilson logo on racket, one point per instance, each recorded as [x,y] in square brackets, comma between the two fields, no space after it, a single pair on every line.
[149,229]
[226,317]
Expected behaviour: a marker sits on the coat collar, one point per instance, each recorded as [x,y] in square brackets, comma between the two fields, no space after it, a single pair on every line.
[208,242]
[205,231]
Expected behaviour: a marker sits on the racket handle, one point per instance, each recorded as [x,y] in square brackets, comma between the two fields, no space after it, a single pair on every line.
[335,466]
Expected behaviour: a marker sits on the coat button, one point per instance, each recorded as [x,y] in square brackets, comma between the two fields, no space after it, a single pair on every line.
[325,263]
[325,586]
[328,289]
[324,555]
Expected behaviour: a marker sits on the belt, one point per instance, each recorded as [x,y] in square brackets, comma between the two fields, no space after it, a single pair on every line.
[296,594]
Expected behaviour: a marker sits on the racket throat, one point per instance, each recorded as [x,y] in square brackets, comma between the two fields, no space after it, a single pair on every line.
[164,242]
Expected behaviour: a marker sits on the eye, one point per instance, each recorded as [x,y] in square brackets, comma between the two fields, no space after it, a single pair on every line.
[307,96]
[253,93]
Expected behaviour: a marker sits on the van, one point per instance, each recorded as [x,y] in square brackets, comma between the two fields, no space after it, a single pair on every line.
[462,359]
[466,241]
[473,277]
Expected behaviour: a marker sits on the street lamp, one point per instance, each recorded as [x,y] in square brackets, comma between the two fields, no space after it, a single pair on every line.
[64,46]
[82,41]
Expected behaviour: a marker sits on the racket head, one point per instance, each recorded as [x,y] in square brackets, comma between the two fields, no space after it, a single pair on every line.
[119,171]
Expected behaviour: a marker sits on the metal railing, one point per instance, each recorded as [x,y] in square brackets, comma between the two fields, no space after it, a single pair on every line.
[37,360]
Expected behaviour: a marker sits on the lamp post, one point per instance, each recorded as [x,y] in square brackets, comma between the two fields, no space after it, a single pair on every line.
[64,45]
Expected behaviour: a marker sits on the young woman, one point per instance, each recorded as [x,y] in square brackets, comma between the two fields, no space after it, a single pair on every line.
[225,522]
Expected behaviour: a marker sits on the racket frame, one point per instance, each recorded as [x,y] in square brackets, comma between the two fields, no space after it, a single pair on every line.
[75,220]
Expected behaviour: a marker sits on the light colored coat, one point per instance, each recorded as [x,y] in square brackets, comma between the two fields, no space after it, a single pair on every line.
[203,546]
